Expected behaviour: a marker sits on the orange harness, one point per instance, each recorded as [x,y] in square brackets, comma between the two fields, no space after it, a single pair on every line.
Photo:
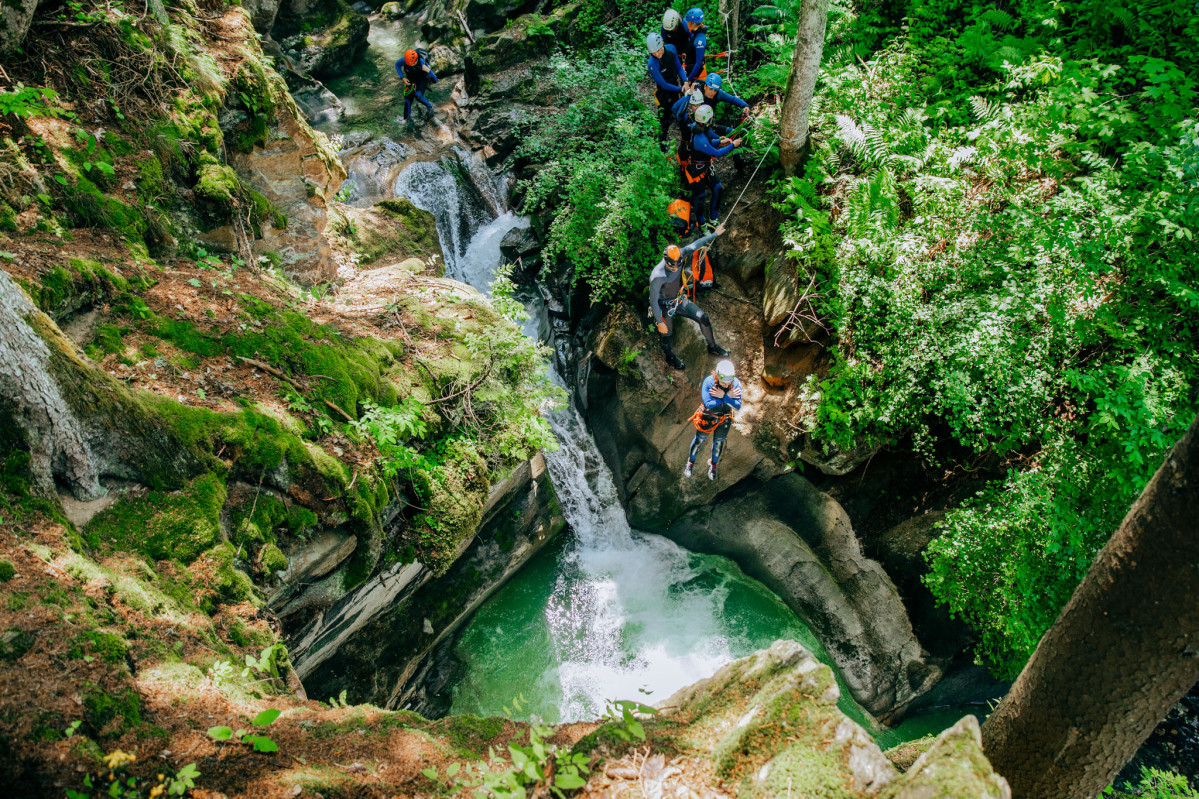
[705,421]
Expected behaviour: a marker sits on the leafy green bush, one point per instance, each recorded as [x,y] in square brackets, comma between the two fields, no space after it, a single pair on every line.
[1000,209]
[604,180]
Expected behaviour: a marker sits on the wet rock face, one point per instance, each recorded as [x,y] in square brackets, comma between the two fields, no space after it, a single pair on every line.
[375,642]
[298,173]
[736,720]
[799,542]
[262,13]
[323,37]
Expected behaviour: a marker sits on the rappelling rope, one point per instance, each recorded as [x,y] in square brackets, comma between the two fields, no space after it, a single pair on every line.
[751,178]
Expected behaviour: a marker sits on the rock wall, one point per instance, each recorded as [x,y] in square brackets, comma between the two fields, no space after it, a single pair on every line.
[372,641]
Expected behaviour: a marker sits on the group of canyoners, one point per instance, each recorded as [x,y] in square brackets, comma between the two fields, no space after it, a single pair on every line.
[689,96]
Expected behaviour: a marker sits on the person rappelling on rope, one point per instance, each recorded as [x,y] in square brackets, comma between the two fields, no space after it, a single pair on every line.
[697,43]
[721,398]
[702,276]
[668,298]
[664,69]
[706,144]
[417,75]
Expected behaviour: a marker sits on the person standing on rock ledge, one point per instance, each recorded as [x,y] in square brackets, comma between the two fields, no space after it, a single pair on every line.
[664,68]
[417,76]
[667,299]
[721,397]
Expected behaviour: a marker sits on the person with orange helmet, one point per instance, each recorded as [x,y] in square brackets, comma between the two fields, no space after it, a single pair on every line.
[667,300]
[417,75]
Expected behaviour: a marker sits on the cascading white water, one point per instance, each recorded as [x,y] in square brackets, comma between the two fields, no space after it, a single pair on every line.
[465,199]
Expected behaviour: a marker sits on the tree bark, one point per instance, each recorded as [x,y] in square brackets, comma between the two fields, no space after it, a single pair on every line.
[1123,651]
[78,423]
[730,12]
[805,66]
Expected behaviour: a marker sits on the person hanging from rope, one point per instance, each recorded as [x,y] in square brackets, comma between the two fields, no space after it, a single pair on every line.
[714,94]
[662,57]
[697,43]
[721,398]
[416,73]
[706,144]
[668,299]
[702,275]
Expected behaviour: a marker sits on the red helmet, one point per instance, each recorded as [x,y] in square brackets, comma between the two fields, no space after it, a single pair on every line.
[410,57]
[673,254]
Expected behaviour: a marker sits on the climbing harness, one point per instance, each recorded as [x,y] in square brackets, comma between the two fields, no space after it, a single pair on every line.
[705,421]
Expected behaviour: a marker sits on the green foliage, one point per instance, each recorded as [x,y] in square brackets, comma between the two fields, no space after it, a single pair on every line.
[625,725]
[30,101]
[7,571]
[116,784]
[604,182]
[1000,209]
[175,525]
[259,743]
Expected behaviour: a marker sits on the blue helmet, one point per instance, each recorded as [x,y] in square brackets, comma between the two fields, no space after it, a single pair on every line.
[694,16]
[714,81]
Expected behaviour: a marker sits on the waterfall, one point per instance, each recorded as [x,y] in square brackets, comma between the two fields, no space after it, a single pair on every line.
[610,613]
[467,202]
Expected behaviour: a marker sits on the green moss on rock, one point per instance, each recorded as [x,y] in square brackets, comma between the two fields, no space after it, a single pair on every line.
[164,526]
[273,559]
[7,571]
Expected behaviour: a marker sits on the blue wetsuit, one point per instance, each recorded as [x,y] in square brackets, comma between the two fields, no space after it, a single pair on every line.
[716,407]
[417,83]
[694,56]
[665,91]
[705,145]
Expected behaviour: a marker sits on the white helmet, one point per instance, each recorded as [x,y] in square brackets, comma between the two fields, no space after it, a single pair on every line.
[725,371]
[703,115]
[653,42]
[671,19]
[697,96]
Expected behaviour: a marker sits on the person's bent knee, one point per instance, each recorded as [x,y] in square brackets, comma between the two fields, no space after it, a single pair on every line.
[702,318]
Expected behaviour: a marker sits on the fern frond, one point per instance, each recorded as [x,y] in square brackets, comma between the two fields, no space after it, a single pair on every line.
[962,155]
[986,110]
[768,12]
[997,18]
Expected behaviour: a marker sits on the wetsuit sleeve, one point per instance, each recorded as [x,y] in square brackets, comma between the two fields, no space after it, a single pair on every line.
[400,67]
[724,97]
[734,401]
[655,294]
[703,241]
[700,42]
[705,146]
[680,107]
[655,72]
[705,394]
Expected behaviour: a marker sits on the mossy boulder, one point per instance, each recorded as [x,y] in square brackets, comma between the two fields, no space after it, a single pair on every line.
[391,230]
[326,40]
[769,724]
[528,37]
[76,284]
[176,525]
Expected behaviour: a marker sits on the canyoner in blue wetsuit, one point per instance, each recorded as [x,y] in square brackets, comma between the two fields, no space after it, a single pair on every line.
[667,74]
[706,144]
[683,112]
[675,33]
[668,300]
[697,44]
[721,397]
[417,75]
[713,95]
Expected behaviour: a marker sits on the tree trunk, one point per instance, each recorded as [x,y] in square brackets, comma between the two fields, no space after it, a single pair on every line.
[1123,651]
[730,12]
[805,66]
[78,423]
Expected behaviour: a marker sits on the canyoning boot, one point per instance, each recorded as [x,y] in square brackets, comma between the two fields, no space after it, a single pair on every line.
[687,470]
[674,361]
[716,349]
[711,470]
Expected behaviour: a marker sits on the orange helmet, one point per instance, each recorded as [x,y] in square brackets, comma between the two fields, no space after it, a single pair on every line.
[673,254]
[410,57]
